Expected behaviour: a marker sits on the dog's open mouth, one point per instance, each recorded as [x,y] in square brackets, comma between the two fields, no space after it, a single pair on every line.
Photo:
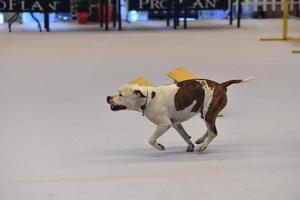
[117,107]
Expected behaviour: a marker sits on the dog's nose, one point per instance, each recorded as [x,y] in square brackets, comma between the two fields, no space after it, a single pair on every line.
[108,98]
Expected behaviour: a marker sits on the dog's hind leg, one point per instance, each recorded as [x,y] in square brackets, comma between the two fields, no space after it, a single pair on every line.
[216,106]
[201,139]
[179,128]
[222,103]
[212,133]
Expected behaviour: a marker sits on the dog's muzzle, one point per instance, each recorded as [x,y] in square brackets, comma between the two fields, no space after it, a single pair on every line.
[114,107]
[117,107]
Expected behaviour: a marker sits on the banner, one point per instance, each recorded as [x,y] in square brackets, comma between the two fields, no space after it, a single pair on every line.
[147,5]
[55,6]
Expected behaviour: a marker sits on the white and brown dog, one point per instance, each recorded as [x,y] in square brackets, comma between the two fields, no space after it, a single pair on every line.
[168,106]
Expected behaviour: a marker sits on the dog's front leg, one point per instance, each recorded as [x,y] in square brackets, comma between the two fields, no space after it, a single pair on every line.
[179,128]
[159,131]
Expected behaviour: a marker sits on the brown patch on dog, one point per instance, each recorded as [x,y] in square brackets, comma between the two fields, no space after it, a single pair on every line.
[217,104]
[228,83]
[153,94]
[188,92]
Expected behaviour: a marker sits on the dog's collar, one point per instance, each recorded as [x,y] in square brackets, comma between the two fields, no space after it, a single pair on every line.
[143,107]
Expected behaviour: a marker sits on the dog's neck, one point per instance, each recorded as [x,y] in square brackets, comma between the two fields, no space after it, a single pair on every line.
[144,106]
[147,91]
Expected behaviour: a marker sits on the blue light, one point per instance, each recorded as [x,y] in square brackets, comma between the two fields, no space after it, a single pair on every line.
[1,18]
[133,16]
[187,19]
[27,19]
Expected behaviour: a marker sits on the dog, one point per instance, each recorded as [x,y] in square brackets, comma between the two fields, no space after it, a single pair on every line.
[170,105]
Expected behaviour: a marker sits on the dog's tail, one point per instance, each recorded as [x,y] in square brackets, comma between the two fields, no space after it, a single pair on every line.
[228,83]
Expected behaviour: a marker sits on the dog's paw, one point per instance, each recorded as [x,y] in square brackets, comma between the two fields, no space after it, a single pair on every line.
[159,147]
[190,148]
[199,141]
[201,147]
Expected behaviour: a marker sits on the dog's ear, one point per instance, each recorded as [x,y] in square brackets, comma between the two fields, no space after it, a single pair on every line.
[139,93]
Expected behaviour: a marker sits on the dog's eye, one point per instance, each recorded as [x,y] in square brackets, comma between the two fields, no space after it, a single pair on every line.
[120,95]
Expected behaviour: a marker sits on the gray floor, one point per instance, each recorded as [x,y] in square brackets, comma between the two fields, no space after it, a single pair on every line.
[59,140]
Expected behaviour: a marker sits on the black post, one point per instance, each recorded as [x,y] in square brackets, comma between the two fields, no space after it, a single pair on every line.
[106,14]
[46,21]
[178,10]
[169,3]
[101,13]
[175,14]
[46,16]
[185,14]
[239,13]
[119,15]
[230,12]
[114,13]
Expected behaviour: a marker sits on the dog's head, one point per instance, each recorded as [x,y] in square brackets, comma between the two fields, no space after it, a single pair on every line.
[129,97]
